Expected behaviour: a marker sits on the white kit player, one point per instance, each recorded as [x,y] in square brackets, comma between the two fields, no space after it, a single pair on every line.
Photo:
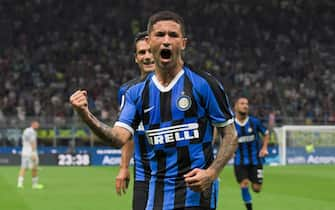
[29,155]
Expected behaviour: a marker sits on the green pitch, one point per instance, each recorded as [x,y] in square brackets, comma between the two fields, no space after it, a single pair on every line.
[92,188]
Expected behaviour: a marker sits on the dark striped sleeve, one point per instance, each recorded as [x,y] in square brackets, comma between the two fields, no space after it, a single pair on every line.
[129,116]
[121,96]
[216,101]
[122,91]
[260,127]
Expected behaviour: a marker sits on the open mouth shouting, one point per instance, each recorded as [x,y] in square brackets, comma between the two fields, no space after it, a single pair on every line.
[166,55]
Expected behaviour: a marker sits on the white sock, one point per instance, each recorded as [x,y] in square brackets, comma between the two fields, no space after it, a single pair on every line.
[20,181]
[35,180]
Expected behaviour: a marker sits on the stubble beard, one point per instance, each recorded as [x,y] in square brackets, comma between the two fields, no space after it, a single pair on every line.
[243,114]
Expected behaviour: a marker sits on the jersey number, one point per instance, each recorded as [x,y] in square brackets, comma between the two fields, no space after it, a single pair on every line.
[259,173]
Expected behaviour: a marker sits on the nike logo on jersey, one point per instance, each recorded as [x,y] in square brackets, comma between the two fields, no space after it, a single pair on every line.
[148,109]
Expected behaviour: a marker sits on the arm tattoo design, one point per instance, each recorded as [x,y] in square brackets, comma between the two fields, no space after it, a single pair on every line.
[228,145]
[103,131]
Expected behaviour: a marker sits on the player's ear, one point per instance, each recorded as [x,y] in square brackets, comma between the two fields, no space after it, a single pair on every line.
[184,43]
[147,38]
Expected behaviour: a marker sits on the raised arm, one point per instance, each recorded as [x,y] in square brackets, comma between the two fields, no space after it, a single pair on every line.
[117,136]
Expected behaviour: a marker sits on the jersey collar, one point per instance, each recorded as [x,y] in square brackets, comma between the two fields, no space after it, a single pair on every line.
[242,123]
[170,86]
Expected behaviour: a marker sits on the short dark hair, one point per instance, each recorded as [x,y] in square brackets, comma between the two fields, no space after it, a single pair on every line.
[239,97]
[139,37]
[166,15]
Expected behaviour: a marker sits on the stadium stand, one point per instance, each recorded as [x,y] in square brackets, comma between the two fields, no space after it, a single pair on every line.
[280,54]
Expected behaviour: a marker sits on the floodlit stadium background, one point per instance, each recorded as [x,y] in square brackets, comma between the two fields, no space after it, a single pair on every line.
[281,54]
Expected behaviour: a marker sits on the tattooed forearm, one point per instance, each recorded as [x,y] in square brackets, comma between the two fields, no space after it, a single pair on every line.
[103,131]
[227,148]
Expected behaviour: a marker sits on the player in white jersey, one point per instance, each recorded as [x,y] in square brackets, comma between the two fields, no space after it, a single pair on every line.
[29,155]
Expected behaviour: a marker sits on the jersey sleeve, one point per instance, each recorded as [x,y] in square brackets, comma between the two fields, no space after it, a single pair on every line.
[128,117]
[121,97]
[261,128]
[217,103]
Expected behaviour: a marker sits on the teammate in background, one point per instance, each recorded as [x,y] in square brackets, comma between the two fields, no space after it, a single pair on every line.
[248,160]
[29,156]
[146,64]
[179,108]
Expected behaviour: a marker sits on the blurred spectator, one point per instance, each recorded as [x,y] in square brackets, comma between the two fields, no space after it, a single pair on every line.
[280,54]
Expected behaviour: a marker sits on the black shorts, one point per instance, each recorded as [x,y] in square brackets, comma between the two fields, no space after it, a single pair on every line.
[140,197]
[193,208]
[251,172]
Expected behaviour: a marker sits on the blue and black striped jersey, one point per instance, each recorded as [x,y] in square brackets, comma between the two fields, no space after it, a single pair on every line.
[142,169]
[249,141]
[178,121]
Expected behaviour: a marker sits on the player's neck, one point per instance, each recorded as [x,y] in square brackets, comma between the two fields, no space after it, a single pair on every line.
[241,118]
[165,76]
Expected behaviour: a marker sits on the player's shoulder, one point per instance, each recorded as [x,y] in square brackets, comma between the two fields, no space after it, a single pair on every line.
[135,82]
[254,119]
[201,77]
[28,131]
[137,85]
[130,83]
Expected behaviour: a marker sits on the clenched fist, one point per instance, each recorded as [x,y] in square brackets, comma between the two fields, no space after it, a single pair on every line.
[199,180]
[79,100]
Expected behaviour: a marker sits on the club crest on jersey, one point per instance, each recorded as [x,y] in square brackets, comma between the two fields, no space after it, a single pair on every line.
[184,102]
[249,130]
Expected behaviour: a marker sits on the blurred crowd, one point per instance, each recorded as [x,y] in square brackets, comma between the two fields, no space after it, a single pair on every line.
[280,54]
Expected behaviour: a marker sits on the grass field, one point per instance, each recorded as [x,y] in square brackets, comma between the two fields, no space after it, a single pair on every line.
[92,188]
